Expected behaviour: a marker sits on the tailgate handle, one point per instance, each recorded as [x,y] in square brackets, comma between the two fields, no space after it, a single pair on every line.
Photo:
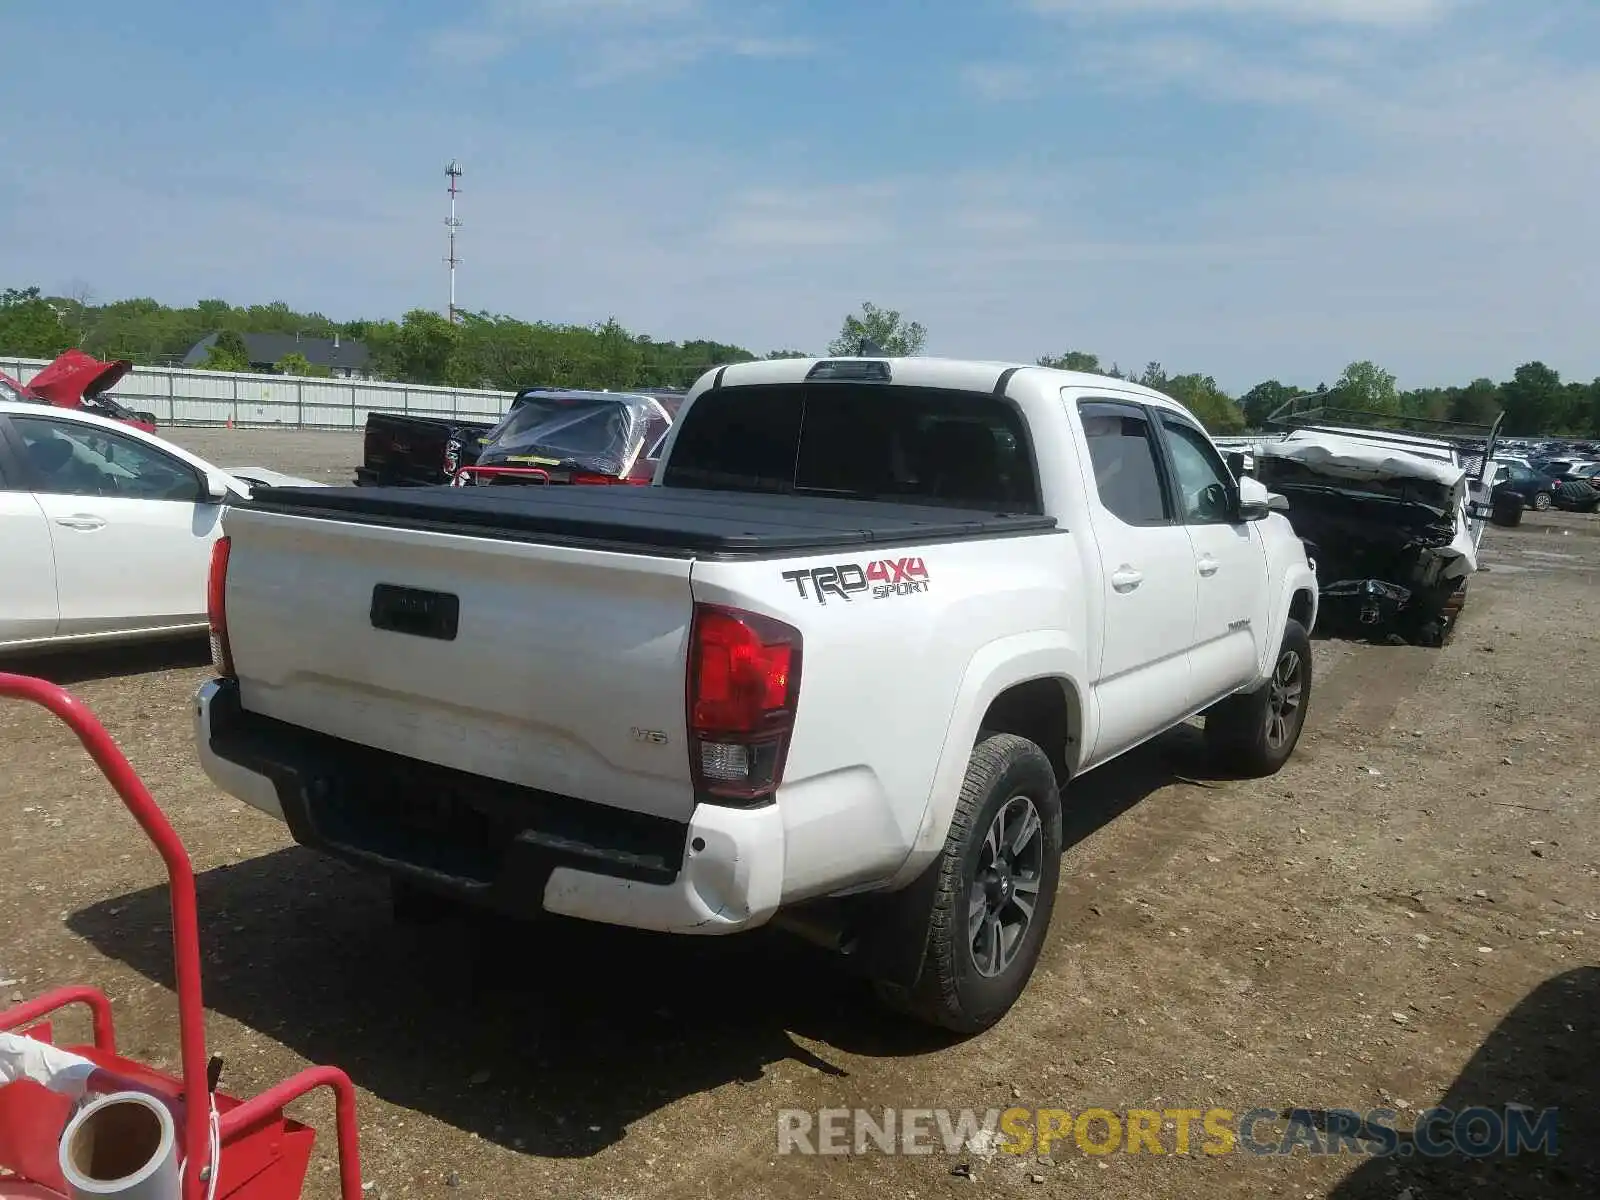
[415,611]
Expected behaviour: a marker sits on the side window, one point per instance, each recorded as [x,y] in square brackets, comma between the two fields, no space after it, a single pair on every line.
[73,459]
[1127,471]
[1205,488]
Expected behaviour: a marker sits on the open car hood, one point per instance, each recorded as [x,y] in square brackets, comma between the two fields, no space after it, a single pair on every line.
[77,376]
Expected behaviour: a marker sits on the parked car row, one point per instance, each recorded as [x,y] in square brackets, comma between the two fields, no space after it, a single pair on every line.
[1566,485]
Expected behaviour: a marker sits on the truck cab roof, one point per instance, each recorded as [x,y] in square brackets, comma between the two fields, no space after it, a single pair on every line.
[955,374]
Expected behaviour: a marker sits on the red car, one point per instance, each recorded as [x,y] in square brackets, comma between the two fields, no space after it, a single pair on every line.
[79,380]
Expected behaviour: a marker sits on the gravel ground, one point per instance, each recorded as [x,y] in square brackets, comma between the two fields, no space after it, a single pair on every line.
[1405,916]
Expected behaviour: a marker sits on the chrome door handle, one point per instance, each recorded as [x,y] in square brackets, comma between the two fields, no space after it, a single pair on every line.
[82,522]
[1125,579]
[1208,565]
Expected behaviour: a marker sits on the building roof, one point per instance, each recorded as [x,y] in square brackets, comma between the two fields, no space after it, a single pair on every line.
[268,348]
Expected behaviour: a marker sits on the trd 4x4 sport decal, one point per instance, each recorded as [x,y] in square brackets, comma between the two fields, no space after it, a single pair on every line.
[881,577]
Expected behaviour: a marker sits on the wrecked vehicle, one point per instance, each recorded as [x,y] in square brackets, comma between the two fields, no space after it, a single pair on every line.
[1391,530]
[79,381]
[571,435]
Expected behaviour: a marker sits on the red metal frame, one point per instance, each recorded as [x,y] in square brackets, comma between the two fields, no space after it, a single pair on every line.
[238,1121]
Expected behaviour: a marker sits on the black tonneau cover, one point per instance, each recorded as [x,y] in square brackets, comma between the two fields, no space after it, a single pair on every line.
[676,522]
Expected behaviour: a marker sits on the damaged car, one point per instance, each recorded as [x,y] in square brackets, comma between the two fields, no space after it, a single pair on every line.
[1392,530]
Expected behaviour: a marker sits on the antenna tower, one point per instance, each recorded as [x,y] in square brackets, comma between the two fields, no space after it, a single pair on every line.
[452,173]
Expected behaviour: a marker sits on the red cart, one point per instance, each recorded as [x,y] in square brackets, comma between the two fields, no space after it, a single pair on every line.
[226,1147]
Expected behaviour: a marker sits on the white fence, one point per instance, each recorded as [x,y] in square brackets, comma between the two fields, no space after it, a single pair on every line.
[180,397]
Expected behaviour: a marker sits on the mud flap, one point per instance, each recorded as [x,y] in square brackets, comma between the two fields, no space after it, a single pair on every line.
[893,928]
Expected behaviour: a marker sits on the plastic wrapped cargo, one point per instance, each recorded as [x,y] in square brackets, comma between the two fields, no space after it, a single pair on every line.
[582,432]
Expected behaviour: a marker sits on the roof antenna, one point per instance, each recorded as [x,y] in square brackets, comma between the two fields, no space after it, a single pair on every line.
[870,349]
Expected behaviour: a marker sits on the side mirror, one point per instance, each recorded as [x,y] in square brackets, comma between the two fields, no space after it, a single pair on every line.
[1255,502]
[216,488]
[1277,503]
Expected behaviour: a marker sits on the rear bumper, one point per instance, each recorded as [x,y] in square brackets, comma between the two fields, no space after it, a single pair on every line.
[499,847]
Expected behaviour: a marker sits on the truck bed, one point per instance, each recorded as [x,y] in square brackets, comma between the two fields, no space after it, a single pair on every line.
[670,522]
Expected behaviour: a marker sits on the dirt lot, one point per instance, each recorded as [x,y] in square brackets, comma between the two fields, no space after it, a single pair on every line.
[1407,915]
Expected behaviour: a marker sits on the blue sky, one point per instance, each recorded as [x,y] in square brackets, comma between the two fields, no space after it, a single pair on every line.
[1246,188]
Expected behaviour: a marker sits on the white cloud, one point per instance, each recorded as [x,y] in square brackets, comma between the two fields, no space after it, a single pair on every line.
[1392,13]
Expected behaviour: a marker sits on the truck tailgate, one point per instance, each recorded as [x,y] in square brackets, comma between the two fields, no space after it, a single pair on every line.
[565,670]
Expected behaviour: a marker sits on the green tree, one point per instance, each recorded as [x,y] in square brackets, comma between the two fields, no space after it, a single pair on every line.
[1214,408]
[1367,387]
[1153,376]
[1592,417]
[1479,403]
[1073,360]
[227,353]
[30,326]
[295,363]
[424,346]
[1534,400]
[771,354]
[1261,401]
[885,326]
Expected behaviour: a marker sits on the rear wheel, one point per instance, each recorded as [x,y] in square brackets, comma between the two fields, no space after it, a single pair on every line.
[1542,501]
[996,890]
[1254,733]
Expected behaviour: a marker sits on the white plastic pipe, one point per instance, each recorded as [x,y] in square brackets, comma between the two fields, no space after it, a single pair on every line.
[122,1145]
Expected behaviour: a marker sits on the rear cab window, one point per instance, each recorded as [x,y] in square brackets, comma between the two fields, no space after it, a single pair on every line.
[894,443]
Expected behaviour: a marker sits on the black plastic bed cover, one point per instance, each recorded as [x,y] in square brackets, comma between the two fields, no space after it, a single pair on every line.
[672,522]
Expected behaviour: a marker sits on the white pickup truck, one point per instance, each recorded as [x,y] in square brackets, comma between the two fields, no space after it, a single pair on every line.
[831,669]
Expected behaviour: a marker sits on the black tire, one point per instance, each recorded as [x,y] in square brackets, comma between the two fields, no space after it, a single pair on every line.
[954,991]
[1542,501]
[1242,739]
[1576,497]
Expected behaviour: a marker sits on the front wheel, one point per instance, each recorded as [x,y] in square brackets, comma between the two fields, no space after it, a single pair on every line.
[1254,733]
[1542,502]
[995,893]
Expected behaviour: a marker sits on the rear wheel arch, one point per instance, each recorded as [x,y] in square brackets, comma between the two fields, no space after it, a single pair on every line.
[1033,678]
[1048,712]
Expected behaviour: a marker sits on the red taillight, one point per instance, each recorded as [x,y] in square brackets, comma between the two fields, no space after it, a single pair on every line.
[744,679]
[590,477]
[217,607]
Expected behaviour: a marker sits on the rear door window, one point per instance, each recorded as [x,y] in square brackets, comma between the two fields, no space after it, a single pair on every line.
[901,444]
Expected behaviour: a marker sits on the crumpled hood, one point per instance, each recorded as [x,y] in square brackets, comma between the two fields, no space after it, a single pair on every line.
[1352,458]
